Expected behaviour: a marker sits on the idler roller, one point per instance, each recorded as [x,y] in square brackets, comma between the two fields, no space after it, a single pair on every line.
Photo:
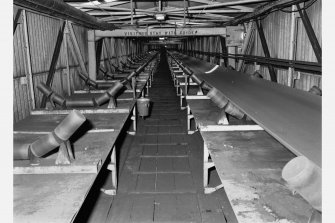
[58,99]
[196,79]
[69,125]
[188,71]
[234,111]
[54,97]
[111,92]
[114,89]
[71,103]
[88,81]
[44,145]
[304,177]
[21,151]
[48,142]
[205,86]
[315,90]
[217,97]
[46,90]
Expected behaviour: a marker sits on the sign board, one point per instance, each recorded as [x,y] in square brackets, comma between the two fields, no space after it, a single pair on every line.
[161,32]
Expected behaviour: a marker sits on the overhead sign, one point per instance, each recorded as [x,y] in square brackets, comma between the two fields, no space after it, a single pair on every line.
[161,32]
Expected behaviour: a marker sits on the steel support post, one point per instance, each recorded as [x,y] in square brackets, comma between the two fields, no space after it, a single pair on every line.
[310,33]
[54,60]
[16,19]
[266,50]
[224,50]
[29,74]
[98,51]
[92,60]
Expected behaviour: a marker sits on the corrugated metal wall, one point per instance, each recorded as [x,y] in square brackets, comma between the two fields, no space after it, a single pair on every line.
[277,32]
[21,104]
[277,27]
[42,35]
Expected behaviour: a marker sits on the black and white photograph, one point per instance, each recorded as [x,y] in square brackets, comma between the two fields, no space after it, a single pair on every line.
[167,111]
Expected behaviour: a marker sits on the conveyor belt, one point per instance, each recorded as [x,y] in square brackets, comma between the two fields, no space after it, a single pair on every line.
[291,116]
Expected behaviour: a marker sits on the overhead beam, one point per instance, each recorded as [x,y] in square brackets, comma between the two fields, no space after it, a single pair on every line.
[224,4]
[204,16]
[241,8]
[112,18]
[64,11]
[265,8]
[150,12]
[101,6]
[209,11]
[123,9]
[102,13]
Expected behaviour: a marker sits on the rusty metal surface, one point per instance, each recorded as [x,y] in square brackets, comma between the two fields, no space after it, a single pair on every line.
[249,164]
[46,198]
[291,116]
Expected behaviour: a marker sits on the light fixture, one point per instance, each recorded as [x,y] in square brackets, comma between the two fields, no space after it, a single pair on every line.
[160,16]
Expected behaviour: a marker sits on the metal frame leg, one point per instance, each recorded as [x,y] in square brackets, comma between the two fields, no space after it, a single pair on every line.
[181,103]
[207,165]
[134,118]
[189,117]
[147,87]
[186,84]
[112,167]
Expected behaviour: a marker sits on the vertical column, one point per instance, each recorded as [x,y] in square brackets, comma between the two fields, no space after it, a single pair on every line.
[231,61]
[266,50]
[224,50]
[68,76]
[292,48]
[92,63]
[30,72]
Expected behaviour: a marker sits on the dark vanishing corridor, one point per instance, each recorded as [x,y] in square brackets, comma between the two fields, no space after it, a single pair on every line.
[161,178]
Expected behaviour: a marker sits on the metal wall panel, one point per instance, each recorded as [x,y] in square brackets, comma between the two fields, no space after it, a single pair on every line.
[42,34]
[277,32]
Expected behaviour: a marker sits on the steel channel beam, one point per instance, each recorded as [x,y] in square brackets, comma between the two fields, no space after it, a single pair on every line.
[224,49]
[290,115]
[16,19]
[284,63]
[54,60]
[64,11]
[272,71]
[98,53]
[310,33]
